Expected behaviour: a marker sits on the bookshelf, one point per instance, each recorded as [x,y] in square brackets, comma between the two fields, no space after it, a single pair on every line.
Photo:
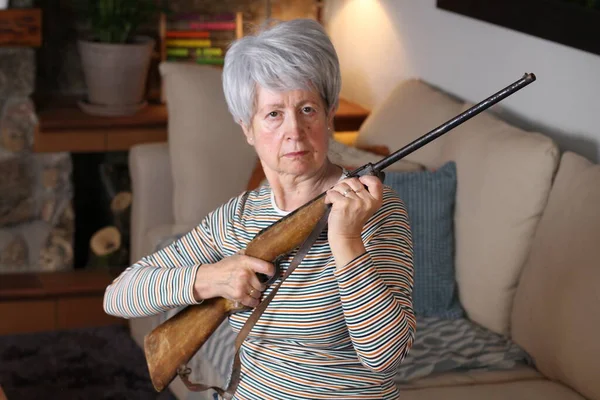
[197,37]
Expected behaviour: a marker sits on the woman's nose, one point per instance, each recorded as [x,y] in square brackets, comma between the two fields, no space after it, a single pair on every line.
[294,129]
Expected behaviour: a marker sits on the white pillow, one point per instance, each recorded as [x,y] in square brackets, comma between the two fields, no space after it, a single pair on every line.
[210,159]
[346,156]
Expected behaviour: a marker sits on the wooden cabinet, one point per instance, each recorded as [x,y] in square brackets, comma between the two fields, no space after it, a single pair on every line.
[37,302]
[26,316]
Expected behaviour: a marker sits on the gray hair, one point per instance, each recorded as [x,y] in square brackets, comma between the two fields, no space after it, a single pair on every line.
[291,55]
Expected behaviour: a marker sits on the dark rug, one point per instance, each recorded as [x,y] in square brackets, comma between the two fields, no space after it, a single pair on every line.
[94,363]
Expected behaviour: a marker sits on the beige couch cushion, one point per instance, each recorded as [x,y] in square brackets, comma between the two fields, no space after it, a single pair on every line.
[504,177]
[410,111]
[556,316]
[200,123]
[521,390]
[472,377]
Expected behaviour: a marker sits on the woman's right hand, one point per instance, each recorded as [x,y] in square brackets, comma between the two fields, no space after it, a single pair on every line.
[233,278]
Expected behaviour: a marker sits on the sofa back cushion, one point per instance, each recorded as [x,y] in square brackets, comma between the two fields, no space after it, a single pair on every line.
[555,317]
[411,110]
[210,159]
[504,178]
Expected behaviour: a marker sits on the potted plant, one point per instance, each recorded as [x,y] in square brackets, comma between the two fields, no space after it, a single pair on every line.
[115,58]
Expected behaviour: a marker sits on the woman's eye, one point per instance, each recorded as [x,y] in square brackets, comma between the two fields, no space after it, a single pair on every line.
[307,110]
[273,114]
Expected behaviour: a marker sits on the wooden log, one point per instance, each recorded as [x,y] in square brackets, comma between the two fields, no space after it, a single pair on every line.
[106,248]
[21,27]
[120,206]
[57,253]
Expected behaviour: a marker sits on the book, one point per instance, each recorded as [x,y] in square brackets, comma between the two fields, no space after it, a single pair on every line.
[210,60]
[188,43]
[199,60]
[201,17]
[214,26]
[188,34]
[195,52]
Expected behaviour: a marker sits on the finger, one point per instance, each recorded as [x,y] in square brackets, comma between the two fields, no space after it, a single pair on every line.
[250,301]
[344,188]
[333,195]
[356,185]
[255,286]
[373,184]
[247,296]
[255,293]
[353,183]
[260,266]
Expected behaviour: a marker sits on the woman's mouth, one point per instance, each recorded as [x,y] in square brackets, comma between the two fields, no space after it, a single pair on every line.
[295,154]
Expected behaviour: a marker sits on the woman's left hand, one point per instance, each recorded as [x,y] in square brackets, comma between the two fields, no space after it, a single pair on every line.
[352,204]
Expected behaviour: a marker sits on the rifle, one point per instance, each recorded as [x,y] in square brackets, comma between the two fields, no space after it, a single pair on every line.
[173,343]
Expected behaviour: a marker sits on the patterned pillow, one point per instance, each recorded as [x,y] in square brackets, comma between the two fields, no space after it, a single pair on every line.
[429,197]
[167,240]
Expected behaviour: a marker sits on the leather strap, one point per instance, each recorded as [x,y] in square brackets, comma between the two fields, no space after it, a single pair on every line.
[228,393]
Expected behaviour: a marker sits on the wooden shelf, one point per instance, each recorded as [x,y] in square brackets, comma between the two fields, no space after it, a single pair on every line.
[349,116]
[36,302]
[27,286]
[21,27]
[64,127]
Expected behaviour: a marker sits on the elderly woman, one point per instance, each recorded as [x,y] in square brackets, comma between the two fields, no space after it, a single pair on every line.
[343,321]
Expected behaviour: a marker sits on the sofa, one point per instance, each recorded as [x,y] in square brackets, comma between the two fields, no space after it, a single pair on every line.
[526,229]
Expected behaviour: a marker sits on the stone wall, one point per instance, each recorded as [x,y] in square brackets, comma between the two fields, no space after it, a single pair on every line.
[36,215]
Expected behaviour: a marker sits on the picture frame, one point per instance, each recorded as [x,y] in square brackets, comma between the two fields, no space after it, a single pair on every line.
[573,23]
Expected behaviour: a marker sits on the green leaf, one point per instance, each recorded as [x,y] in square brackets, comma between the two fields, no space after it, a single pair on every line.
[117,21]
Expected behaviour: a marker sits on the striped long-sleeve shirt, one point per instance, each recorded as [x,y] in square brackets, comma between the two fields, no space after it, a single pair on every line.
[330,332]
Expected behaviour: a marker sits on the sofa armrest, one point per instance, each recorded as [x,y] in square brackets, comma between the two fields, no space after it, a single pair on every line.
[152,186]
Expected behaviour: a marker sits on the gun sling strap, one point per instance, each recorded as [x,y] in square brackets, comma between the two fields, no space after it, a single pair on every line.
[184,371]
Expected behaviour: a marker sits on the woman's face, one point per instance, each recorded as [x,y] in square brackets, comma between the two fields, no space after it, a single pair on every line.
[290,131]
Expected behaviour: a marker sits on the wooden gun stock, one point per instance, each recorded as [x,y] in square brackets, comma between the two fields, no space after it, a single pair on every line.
[172,344]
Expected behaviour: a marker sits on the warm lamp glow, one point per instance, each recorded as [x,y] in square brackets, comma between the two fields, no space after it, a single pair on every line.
[367,39]
[370,11]
[371,25]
